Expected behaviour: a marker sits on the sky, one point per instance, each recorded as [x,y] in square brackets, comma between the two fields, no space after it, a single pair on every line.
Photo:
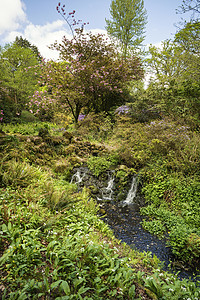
[39,22]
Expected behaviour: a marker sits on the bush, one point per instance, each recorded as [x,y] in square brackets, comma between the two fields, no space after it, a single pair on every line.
[99,165]
[26,116]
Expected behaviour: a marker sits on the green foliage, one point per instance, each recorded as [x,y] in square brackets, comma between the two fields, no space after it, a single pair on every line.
[26,116]
[128,22]
[19,78]
[24,43]
[155,227]
[44,260]
[168,154]
[96,127]
[139,143]
[174,86]
[54,245]
[30,129]
[92,74]
[99,165]
[20,173]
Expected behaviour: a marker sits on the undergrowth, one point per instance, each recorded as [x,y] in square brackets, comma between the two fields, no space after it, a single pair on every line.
[54,246]
[166,155]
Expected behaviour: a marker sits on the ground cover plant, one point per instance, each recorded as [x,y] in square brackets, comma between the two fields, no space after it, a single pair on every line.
[54,246]
[166,154]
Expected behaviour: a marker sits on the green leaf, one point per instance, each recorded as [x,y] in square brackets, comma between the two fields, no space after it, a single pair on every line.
[4,227]
[83,290]
[22,297]
[65,286]
[55,284]
[131,292]
[9,226]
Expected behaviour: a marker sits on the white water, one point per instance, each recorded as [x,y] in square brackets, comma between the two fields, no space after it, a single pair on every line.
[77,178]
[108,191]
[132,192]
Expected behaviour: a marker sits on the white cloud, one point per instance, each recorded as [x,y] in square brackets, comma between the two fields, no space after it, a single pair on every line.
[42,36]
[101,31]
[12,15]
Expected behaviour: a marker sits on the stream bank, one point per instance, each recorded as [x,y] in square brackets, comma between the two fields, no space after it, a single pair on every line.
[124,218]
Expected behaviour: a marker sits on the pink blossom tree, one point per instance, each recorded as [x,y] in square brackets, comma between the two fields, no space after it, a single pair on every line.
[91,73]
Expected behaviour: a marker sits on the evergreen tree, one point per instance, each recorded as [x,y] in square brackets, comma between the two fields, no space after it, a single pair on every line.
[128,22]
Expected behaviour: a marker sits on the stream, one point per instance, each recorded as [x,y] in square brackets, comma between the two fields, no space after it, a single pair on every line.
[124,219]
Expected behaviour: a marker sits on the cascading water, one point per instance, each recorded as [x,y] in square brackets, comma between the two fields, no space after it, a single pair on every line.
[132,192]
[77,177]
[107,192]
[124,217]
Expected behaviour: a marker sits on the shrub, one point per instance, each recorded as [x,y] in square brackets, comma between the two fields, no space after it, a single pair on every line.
[99,165]
[26,116]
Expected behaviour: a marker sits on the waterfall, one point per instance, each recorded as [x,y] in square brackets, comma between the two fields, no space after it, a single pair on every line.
[132,192]
[77,177]
[107,192]
[104,191]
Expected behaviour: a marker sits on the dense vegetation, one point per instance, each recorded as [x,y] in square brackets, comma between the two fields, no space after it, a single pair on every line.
[91,108]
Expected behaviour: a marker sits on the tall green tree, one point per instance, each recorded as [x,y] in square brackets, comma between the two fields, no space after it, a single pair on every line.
[19,77]
[127,24]
[24,43]
[166,62]
[188,40]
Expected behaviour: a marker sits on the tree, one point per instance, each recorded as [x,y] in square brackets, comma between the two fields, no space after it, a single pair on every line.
[190,5]
[189,37]
[19,79]
[24,43]
[128,22]
[166,62]
[91,74]
[188,40]
[175,82]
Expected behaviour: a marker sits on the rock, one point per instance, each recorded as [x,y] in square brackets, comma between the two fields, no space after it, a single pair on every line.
[43,132]
[36,140]
[67,135]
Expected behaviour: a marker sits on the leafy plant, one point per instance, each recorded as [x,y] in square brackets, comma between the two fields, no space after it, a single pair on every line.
[98,165]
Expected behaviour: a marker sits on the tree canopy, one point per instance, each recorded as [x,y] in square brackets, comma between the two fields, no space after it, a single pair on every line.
[92,74]
[18,67]
[127,24]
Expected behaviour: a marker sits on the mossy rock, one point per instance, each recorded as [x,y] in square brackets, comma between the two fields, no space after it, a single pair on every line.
[43,132]
[75,161]
[61,166]
[55,140]
[70,149]
[68,135]
[36,140]
[94,190]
